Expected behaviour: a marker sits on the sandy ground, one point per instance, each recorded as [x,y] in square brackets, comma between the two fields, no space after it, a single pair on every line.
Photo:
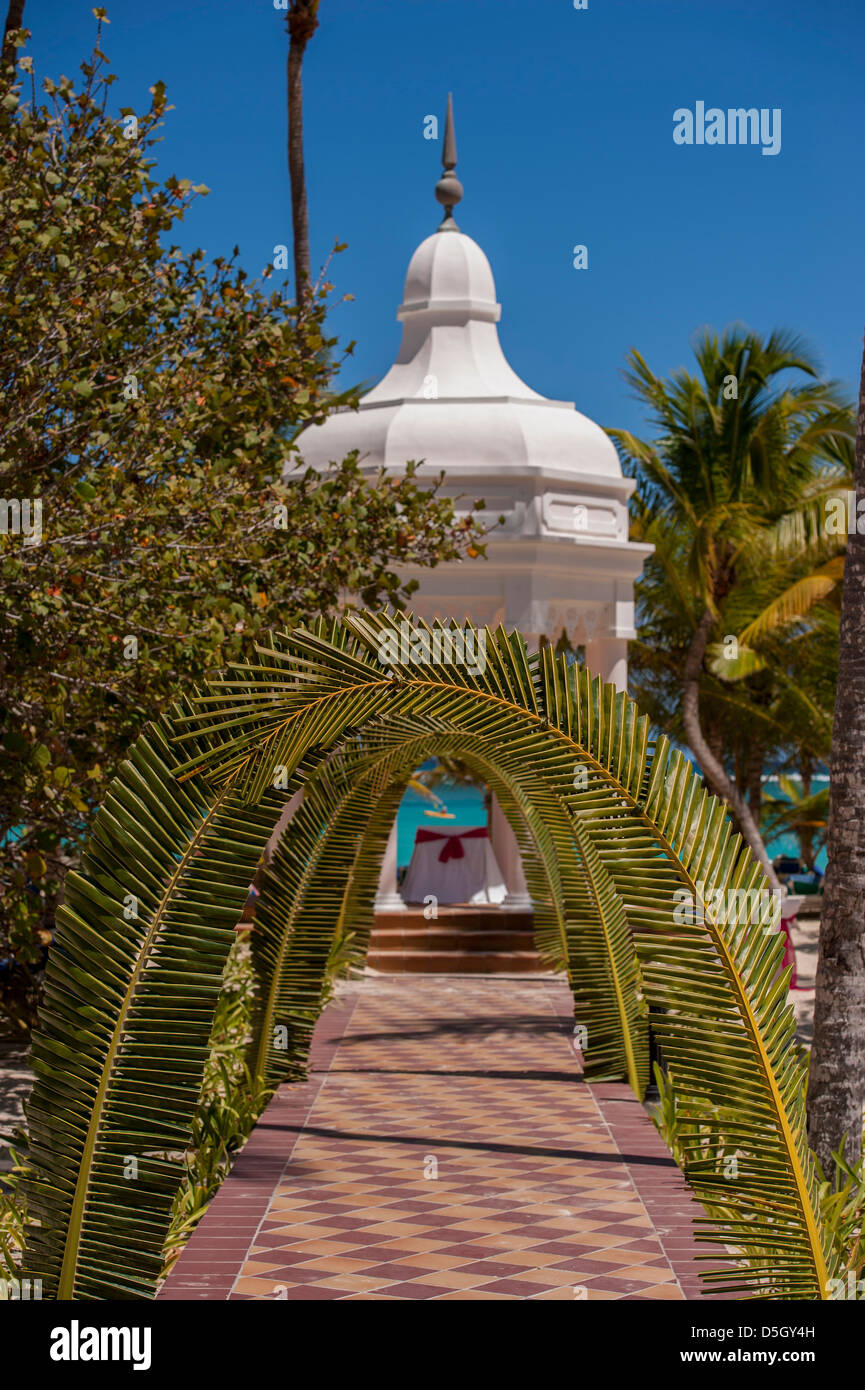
[805,933]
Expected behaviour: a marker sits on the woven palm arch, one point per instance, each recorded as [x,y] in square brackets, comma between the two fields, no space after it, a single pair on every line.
[142,939]
[325,875]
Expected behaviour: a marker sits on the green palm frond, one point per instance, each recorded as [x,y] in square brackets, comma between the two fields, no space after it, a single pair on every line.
[313,880]
[620,837]
[745,663]
[793,810]
[603,727]
[795,602]
[131,988]
[315,873]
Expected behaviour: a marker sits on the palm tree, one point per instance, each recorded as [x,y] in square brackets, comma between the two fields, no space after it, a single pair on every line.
[836,1089]
[302,21]
[772,703]
[14,20]
[800,811]
[742,459]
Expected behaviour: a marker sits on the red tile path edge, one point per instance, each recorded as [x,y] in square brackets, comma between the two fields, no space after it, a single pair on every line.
[215,1253]
[659,1182]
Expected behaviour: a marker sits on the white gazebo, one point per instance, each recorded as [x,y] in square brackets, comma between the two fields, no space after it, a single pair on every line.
[562,560]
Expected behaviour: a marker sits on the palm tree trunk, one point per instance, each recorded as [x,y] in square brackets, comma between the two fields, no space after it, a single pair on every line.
[715,739]
[14,20]
[754,775]
[302,22]
[836,1090]
[805,834]
[712,768]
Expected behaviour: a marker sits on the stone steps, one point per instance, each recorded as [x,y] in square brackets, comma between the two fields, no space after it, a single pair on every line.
[459,941]
[432,938]
[473,918]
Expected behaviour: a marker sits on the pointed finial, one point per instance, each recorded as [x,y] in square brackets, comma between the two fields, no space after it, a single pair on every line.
[449,190]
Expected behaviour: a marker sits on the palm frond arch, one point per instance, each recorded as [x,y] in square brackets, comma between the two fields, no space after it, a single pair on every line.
[617,830]
[325,874]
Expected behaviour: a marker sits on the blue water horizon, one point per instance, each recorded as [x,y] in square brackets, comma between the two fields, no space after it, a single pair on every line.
[467,806]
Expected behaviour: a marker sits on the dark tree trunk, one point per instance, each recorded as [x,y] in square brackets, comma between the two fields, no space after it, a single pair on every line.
[754,776]
[806,774]
[302,24]
[805,835]
[14,20]
[712,768]
[715,739]
[836,1090]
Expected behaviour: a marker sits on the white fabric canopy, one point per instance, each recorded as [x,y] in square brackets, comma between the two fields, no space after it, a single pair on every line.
[455,865]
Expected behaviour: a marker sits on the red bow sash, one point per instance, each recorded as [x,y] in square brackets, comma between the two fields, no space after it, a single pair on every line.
[452,847]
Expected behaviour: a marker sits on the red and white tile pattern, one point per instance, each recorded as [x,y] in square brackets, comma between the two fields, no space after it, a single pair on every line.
[446,1147]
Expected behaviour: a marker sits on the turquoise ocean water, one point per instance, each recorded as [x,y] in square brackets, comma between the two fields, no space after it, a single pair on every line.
[467,804]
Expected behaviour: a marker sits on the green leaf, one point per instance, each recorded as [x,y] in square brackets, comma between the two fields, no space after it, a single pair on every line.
[612,828]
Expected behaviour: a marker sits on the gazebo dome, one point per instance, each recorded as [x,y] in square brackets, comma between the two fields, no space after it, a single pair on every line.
[561,559]
[451,396]
[446,270]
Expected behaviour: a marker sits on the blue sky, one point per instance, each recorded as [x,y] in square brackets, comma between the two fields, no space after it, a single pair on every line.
[564,125]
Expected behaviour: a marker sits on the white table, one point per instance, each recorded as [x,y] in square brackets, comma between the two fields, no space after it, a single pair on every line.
[453,865]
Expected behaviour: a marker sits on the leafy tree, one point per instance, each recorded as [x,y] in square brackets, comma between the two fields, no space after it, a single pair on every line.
[14,19]
[149,404]
[743,457]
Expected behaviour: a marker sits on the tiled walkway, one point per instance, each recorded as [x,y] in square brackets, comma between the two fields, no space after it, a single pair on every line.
[445,1147]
